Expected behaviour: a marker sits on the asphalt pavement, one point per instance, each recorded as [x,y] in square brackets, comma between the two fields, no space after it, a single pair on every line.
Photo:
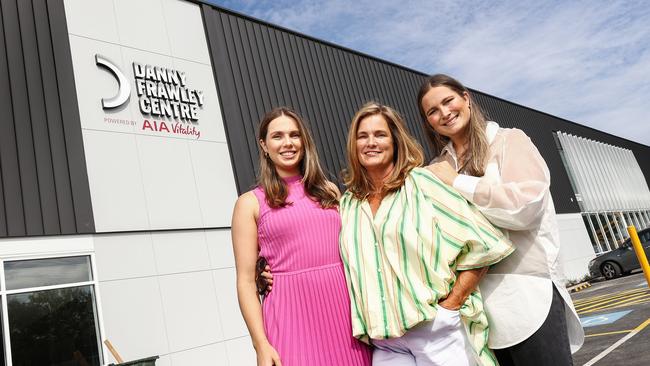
[615,315]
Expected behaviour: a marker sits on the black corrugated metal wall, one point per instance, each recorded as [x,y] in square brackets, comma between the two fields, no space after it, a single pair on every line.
[44,182]
[258,66]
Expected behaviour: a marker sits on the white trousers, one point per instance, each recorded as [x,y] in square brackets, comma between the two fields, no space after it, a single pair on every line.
[438,342]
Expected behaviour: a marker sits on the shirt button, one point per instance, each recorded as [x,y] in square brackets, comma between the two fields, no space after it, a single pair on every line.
[379,270]
[376,244]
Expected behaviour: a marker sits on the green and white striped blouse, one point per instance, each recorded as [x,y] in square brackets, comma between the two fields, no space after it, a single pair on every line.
[400,262]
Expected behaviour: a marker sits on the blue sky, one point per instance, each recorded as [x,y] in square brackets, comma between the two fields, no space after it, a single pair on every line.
[586,61]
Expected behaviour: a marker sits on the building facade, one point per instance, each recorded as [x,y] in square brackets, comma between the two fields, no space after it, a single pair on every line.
[129,133]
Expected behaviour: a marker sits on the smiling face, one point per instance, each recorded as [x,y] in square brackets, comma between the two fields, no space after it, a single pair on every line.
[447,112]
[375,144]
[283,144]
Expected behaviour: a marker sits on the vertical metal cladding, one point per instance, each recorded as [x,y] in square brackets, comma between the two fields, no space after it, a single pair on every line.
[258,66]
[44,182]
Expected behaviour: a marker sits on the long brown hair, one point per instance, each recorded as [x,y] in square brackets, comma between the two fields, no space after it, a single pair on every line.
[313,178]
[407,153]
[478,148]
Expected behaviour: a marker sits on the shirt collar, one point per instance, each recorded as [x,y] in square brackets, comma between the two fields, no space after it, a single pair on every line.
[448,149]
[491,129]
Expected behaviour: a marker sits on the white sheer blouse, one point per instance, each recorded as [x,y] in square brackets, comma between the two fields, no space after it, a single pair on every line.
[514,195]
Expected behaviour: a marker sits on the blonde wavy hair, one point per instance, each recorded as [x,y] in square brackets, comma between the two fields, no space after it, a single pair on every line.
[317,186]
[477,151]
[407,153]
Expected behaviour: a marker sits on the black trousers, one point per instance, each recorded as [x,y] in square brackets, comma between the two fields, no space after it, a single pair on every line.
[548,346]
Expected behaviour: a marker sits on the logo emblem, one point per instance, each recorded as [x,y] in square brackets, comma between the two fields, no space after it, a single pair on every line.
[124,88]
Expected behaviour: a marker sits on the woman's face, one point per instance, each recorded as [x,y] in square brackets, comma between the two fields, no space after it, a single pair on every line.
[283,143]
[447,111]
[375,144]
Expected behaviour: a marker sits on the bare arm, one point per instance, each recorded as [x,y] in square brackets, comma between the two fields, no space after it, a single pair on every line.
[466,283]
[244,240]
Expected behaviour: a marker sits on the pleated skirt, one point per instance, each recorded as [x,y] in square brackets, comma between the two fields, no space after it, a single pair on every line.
[307,319]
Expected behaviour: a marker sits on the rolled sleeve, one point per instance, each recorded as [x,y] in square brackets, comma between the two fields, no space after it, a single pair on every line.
[483,251]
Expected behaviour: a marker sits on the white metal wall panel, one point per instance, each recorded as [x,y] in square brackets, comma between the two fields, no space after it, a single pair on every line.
[161,178]
[608,178]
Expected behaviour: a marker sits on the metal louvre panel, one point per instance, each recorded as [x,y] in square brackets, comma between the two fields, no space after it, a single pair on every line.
[607,177]
[574,166]
[44,182]
[596,177]
[642,193]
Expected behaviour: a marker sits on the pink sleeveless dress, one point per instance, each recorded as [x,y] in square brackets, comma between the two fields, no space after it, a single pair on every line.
[307,315]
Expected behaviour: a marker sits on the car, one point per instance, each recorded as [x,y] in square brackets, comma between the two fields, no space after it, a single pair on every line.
[621,260]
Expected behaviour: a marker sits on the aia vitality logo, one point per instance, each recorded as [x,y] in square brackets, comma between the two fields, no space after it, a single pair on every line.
[163,96]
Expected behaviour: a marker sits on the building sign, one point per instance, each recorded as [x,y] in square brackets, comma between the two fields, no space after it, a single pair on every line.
[164,93]
[124,88]
[167,103]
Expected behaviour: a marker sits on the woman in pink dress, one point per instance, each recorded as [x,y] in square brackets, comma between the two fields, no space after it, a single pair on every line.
[292,220]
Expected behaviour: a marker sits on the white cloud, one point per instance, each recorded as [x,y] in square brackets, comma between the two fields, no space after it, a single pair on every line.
[586,61]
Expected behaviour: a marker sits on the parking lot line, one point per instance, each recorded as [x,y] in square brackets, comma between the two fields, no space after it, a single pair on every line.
[581,304]
[595,299]
[613,300]
[617,304]
[617,344]
[644,300]
[608,333]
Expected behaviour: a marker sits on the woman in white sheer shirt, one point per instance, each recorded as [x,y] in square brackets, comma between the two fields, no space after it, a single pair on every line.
[532,319]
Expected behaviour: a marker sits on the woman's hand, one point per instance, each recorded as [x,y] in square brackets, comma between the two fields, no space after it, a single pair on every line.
[466,282]
[267,356]
[263,277]
[444,172]
[450,304]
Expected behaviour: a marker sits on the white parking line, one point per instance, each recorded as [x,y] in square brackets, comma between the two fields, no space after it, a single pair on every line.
[615,345]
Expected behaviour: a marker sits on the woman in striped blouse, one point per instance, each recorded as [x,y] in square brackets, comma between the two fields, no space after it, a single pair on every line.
[413,251]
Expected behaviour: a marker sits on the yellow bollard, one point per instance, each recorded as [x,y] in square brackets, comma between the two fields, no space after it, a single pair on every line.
[640,254]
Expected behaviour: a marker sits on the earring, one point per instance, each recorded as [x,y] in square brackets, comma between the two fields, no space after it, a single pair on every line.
[266,154]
